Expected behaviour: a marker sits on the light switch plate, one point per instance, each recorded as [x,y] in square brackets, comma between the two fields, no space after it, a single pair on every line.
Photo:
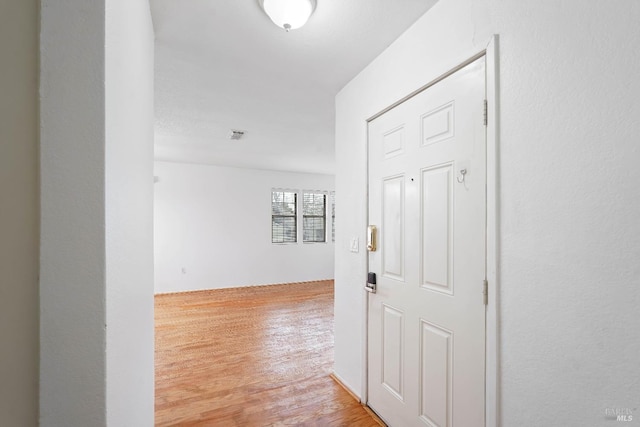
[355,245]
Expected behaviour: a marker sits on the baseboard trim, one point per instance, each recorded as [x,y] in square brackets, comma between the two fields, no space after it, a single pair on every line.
[375,416]
[337,379]
[227,288]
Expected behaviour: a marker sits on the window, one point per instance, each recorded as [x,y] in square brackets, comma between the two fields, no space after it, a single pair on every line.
[333,216]
[284,217]
[314,217]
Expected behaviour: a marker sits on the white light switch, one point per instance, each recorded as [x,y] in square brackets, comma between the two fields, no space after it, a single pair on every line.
[355,244]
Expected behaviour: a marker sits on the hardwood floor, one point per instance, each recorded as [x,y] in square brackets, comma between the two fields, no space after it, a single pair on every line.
[257,356]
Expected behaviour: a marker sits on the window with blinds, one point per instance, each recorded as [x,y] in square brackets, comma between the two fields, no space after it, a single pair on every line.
[314,217]
[333,216]
[284,217]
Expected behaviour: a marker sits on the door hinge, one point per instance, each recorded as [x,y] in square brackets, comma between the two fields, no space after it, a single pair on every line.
[486,113]
[485,292]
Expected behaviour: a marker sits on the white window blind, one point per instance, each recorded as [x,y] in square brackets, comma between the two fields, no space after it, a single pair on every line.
[314,217]
[284,217]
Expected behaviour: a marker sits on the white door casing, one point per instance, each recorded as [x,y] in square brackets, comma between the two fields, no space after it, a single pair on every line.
[426,323]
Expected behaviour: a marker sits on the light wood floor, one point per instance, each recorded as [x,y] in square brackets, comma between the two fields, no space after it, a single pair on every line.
[258,356]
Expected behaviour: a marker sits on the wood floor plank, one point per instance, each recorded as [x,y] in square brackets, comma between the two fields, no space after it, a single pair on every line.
[254,356]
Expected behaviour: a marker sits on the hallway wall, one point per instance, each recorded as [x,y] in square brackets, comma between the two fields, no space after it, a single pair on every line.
[569,332]
[129,81]
[19,213]
[96,283]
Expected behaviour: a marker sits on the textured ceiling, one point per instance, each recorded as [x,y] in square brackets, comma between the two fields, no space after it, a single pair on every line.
[222,64]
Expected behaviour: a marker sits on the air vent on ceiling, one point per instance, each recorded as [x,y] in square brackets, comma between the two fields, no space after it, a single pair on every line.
[236,134]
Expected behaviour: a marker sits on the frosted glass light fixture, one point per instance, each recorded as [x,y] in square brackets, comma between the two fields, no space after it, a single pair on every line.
[288,14]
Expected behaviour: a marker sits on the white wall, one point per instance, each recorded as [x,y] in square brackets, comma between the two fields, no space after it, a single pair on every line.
[96,283]
[72,245]
[570,207]
[437,42]
[129,213]
[569,278]
[19,213]
[215,223]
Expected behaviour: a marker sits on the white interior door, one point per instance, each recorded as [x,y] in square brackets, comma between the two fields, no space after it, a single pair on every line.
[427,197]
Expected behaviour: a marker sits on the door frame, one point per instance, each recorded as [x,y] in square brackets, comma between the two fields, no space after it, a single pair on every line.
[491,317]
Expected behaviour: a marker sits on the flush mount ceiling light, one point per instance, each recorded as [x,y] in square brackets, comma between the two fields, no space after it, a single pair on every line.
[288,14]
